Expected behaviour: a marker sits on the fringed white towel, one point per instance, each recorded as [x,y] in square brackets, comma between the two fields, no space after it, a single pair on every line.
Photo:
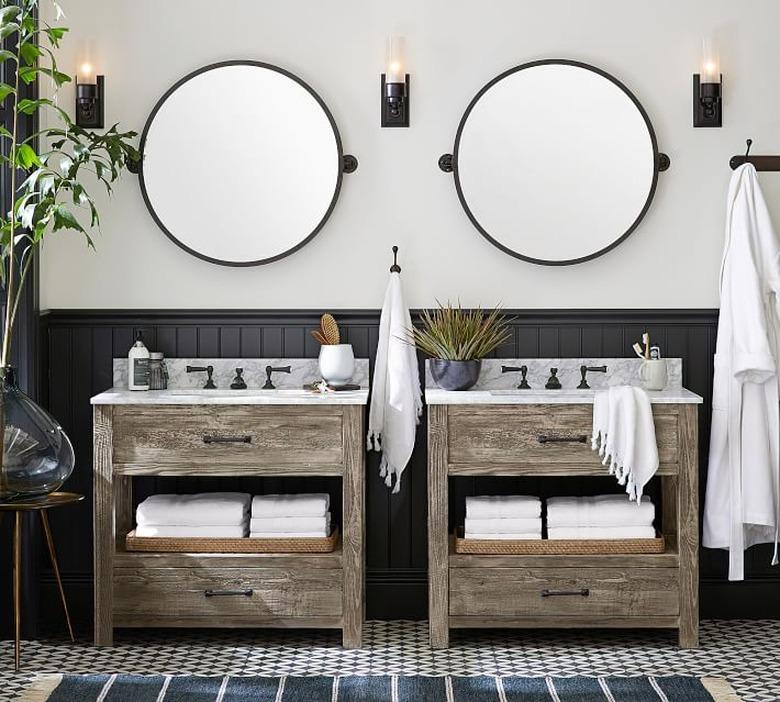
[396,396]
[624,436]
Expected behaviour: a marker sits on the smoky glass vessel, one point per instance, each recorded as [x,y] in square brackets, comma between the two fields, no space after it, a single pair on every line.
[37,454]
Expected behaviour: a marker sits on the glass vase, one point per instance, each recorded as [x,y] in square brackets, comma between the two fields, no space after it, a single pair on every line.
[37,454]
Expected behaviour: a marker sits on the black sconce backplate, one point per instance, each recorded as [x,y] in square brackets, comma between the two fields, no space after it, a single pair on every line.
[707,103]
[395,103]
[90,104]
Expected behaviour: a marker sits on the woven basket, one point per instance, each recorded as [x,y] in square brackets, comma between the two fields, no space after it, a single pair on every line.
[164,544]
[557,547]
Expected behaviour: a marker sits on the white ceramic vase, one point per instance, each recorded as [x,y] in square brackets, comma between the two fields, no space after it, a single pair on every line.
[337,363]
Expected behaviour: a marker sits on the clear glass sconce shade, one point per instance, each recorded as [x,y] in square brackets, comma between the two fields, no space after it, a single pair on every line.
[395,71]
[710,62]
[37,454]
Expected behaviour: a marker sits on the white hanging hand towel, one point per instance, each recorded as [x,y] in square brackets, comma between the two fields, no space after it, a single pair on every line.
[624,435]
[396,396]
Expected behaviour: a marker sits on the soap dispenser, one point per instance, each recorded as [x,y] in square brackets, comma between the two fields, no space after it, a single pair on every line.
[138,365]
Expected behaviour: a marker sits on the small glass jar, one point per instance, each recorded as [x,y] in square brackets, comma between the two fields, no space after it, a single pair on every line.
[158,373]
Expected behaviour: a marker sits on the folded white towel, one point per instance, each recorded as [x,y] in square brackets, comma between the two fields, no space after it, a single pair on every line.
[628,532]
[189,531]
[283,535]
[303,505]
[290,525]
[503,506]
[205,509]
[530,536]
[503,526]
[624,435]
[601,510]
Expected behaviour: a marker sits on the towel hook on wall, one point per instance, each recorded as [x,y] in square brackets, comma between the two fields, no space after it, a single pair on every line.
[395,268]
[761,163]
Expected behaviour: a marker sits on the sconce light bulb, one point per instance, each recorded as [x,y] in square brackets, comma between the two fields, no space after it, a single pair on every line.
[86,71]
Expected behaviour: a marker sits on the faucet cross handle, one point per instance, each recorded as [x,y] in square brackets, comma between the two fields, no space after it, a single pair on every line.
[523,370]
[271,369]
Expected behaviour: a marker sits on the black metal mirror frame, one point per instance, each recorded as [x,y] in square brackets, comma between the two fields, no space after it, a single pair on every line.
[449,162]
[346,163]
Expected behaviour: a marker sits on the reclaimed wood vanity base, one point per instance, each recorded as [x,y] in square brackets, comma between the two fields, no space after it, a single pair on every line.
[651,590]
[248,590]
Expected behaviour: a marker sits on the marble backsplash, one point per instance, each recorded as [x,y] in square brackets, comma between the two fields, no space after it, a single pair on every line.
[302,371]
[620,371]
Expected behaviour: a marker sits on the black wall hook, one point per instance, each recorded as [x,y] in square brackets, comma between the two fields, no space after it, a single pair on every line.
[749,143]
[395,268]
[760,163]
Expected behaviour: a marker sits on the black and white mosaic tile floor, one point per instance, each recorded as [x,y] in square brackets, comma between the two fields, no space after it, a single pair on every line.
[747,653]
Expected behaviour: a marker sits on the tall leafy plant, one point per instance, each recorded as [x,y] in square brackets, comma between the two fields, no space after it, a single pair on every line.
[49,170]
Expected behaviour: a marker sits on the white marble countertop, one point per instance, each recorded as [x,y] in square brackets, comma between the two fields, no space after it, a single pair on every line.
[188,396]
[436,396]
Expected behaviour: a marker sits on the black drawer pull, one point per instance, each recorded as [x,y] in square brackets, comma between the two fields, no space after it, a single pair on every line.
[228,593]
[582,592]
[209,439]
[544,439]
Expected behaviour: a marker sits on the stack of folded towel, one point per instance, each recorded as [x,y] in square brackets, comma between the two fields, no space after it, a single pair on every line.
[290,516]
[599,517]
[210,514]
[503,517]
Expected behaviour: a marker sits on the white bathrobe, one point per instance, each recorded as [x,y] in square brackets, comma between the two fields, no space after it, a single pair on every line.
[742,501]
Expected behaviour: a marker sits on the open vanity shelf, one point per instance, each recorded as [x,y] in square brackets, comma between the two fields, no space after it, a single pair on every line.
[162,434]
[482,434]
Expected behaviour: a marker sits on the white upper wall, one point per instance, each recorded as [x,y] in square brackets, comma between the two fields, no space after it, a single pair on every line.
[398,195]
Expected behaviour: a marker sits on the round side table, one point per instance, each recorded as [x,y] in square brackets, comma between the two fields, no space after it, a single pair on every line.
[40,505]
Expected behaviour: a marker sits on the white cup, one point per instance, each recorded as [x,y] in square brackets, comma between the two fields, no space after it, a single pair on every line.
[653,373]
[337,363]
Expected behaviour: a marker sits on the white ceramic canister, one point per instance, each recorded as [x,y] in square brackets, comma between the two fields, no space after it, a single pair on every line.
[337,363]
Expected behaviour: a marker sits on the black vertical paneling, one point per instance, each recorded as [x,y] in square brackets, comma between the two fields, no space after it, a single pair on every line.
[80,346]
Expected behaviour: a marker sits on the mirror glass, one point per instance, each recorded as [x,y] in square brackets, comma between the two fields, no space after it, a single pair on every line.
[555,162]
[242,163]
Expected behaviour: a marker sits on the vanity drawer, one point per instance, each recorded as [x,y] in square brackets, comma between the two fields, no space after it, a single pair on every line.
[167,439]
[554,592]
[179,596]
[521,435]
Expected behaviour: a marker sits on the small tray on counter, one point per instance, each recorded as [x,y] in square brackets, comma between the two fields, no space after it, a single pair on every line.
[557,547]
[166,544]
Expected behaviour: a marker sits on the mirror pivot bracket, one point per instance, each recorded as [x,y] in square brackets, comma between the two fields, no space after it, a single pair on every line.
[349,163]
[445,163]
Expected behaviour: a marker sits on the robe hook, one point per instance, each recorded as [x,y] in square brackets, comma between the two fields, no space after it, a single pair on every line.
[395,268]
[749,144]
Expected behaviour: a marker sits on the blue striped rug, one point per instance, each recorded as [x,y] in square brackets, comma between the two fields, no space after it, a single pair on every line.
[378,688]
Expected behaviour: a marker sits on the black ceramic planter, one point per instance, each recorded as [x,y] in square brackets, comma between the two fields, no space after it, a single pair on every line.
[455,375]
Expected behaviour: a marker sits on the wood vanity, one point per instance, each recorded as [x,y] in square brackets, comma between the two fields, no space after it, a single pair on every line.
[478,433]
[283,433]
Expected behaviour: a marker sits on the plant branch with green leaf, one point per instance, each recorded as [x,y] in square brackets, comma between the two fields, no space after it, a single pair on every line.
[47,182]
[455,334]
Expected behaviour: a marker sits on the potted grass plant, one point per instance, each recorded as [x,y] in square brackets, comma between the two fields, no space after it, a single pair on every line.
[457,340]
[49,174]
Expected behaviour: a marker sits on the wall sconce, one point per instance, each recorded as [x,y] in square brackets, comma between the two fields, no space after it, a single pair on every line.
[90,98]
[395,86]
[707,94]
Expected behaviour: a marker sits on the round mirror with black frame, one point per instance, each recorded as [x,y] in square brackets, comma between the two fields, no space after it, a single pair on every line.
[242,163]
[555,162]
